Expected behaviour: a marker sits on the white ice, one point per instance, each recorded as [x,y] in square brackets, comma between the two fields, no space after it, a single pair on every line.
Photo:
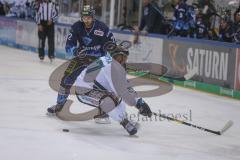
[27,133]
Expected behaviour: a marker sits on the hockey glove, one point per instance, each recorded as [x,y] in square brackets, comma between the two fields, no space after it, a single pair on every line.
[71,51]
[143,108]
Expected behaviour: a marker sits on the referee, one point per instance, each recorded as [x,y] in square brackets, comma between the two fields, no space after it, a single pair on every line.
[47,14]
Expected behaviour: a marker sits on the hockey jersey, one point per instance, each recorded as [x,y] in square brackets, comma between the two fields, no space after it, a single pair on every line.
[180,17]
[111,75]
[92,40]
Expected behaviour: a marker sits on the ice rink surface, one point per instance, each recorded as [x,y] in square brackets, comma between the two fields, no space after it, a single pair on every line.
[27,133]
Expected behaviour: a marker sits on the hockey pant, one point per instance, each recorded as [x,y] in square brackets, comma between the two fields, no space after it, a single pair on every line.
[104,100]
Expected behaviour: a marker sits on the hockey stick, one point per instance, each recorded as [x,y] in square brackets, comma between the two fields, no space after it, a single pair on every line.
[136,67]
[224,129]
[186,77]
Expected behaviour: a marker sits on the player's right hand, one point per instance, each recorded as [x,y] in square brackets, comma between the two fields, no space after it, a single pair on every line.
[71,51]
[80,53]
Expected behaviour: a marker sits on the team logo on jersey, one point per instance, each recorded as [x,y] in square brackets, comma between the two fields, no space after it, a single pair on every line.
[86,40]
[98,33]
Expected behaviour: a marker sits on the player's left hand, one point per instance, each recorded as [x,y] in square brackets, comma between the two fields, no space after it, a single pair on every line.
[143,108]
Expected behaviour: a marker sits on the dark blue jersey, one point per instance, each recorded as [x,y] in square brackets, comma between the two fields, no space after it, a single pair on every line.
[91,40]
[180,12]
[191,16]
[180,17]
[201,30]
[226,34]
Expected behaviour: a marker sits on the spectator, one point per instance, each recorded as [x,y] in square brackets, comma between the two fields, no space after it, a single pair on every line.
[180,18]
[36,4]
[191,17]
[226,29]
[151,21]
[237,26]
[19,9]
[6,8]
[28,9]
[2,12]
[208,10]
[237,20]
[201,30]
[236,12]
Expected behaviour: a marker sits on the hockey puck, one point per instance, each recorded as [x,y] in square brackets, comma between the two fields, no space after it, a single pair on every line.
[65,130]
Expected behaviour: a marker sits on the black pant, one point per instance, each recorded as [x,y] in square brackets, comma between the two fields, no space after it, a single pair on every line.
[48,32]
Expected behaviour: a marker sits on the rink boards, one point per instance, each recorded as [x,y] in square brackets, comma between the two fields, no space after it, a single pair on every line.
[218,63]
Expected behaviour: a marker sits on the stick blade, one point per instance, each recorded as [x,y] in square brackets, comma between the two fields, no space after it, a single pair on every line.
[226,127]
[191,73]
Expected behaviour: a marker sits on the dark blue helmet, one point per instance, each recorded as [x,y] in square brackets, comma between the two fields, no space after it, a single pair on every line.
[88,11]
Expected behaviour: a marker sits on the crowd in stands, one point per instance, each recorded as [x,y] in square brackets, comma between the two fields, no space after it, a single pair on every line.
[199,20]
[19,8]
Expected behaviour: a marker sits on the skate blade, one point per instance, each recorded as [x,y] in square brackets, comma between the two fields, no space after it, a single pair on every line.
[51,114]
[102,120]
[137,125]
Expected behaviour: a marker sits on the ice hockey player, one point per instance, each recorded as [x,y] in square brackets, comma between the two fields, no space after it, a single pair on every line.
[88,35]
[104,84]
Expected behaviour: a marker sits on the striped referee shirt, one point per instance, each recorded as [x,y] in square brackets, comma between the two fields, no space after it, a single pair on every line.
[46,11]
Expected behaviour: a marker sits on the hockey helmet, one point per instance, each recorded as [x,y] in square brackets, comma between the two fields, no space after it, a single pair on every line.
[88,11]
[117,49]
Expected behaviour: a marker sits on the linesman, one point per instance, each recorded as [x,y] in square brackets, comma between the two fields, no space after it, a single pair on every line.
[46,16]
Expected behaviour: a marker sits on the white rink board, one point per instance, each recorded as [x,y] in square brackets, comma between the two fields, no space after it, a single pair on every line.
[26,34]
[148,50]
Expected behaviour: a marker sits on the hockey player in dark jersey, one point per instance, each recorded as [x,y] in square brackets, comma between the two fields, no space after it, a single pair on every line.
[84,44]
